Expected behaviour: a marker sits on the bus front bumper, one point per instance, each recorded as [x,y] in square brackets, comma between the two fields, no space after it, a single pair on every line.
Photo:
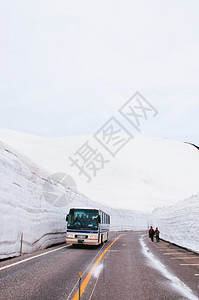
[80,241]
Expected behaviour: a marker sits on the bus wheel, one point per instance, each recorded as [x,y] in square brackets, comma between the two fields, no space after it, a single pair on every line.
[102,239]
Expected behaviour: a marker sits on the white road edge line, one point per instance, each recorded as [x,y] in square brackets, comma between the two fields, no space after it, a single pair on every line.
[163,250]
[166,248]
[33,257]
[166,253]
[196,274]
[188,257]
[179,285]
[189,264]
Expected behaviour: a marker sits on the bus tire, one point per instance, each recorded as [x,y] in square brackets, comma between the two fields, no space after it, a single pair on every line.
[99,239]
[102,239]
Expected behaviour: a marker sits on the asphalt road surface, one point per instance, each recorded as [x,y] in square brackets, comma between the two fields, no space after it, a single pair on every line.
[129,266]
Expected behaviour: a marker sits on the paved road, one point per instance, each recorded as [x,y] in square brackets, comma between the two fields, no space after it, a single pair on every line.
[129,266]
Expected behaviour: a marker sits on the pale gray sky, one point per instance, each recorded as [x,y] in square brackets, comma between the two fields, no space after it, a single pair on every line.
[67,66]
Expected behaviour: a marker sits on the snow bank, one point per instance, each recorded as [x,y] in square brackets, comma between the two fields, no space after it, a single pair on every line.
[24,209]
[179,223]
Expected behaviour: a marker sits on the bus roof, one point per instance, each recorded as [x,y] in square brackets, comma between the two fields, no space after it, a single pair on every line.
[89,208]
[84,208]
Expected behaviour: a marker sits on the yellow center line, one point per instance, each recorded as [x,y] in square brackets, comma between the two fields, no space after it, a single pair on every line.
[88,277]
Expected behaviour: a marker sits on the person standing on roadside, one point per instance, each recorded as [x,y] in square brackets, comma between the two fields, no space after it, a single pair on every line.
[151,233]
[157,234]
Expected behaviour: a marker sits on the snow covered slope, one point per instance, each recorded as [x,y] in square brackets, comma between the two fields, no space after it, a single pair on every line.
[25,209]
[179,223]
[147,173]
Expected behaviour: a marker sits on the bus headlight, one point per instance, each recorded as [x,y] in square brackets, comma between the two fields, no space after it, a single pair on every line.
[69,235]
[93,237]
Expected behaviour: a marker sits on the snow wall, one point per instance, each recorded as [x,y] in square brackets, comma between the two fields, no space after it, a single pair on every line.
[25,207]
[179,223]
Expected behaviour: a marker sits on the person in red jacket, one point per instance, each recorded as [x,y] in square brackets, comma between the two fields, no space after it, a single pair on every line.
[151,233]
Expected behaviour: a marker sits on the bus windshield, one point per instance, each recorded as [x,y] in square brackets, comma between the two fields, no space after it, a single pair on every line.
[83,219]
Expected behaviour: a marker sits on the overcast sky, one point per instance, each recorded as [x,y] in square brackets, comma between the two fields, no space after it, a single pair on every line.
[67,66]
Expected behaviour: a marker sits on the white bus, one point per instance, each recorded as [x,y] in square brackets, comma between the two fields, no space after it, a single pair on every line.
[89,226]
